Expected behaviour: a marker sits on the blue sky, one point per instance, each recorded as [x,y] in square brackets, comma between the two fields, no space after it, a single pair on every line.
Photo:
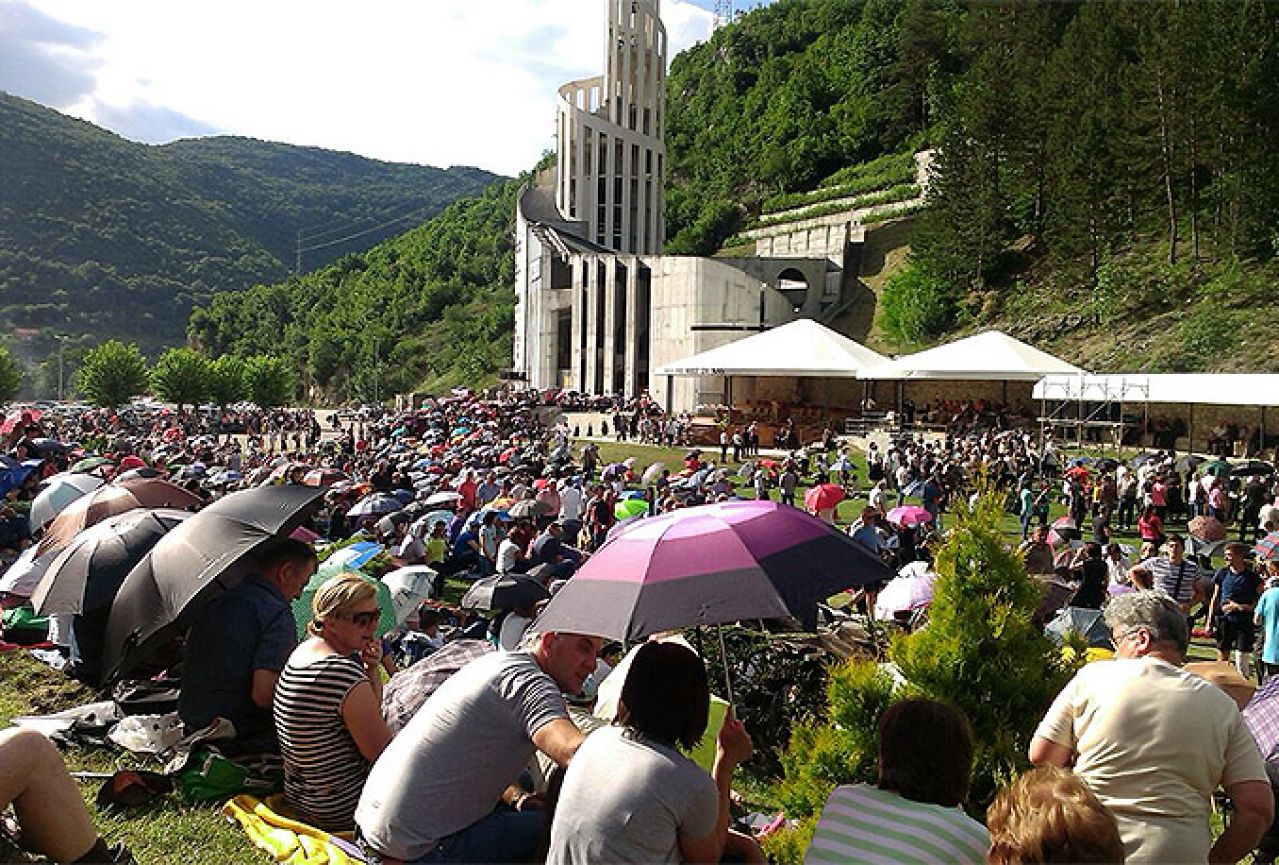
[437,82]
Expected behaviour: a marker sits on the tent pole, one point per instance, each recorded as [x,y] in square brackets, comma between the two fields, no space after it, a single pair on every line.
[670,385]
[1190,440]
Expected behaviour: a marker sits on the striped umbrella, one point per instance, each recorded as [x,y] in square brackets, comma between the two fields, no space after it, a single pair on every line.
[711,565]
[1267,548]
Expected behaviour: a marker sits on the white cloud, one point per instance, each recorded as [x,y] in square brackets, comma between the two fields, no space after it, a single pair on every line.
[440,82]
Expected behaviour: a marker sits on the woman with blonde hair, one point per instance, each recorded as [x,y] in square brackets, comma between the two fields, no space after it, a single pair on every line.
[328,704]
[1050,815]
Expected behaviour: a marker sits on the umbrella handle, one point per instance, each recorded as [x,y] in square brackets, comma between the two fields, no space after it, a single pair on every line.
[728,679]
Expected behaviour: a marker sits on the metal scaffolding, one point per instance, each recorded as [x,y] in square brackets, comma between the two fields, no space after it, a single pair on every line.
[1084,403]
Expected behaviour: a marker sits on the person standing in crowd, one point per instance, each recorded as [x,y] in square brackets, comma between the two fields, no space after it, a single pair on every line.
[1154,742]
[1236,590]
[1173,574]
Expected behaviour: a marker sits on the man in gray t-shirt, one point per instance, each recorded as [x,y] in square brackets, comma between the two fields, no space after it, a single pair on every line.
[435,793]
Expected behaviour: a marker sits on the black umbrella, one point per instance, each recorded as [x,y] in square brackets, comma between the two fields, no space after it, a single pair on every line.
[85,577]
[504,592]
[1252,467]
[1106,464]
[1142,459]
[86,574]
[206,556]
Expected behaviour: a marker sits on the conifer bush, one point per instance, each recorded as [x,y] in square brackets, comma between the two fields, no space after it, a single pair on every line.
[980,652]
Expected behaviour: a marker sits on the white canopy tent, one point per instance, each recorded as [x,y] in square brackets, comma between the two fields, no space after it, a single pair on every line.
[801,348]
[988,356]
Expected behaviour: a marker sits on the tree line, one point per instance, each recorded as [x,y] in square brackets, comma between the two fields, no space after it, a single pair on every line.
[114,372]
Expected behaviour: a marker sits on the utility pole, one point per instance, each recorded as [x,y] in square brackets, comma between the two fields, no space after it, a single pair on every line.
[62,340]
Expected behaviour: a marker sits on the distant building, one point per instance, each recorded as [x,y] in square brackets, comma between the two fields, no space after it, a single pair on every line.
[597,303]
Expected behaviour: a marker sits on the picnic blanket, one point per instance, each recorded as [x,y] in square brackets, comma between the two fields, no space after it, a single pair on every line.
[286,840]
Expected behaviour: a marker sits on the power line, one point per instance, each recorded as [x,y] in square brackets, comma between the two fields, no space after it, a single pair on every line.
[298,248]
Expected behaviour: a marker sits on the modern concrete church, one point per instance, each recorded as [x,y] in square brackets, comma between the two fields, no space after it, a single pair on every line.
[599,308]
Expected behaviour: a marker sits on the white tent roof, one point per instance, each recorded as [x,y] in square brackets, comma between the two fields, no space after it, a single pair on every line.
[801,348]
[989,355]
[1202,388]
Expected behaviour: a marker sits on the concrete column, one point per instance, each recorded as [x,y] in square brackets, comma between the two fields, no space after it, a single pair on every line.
[579,323]
[610,321]
[592,333]
[632,324]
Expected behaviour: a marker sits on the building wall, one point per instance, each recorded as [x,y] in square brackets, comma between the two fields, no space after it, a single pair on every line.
[610,135]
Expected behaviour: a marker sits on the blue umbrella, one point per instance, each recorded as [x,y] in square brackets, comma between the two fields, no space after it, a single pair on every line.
[352,558]
[405,496]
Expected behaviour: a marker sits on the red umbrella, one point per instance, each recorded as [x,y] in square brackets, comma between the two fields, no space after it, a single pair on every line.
[823,496]
[324,477]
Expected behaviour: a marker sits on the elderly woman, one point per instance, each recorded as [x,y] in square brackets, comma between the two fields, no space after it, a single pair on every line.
[630,795]
[328,705]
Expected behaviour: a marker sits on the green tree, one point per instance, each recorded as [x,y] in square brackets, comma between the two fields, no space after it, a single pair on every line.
[226,380]
[181,376]
[269,380]
[980,652]
[10,375]
[113,373]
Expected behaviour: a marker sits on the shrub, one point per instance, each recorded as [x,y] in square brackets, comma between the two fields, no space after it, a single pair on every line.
[917,306]
[979,652]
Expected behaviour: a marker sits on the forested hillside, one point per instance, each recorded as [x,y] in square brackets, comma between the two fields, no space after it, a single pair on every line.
[431,308]
[102,237]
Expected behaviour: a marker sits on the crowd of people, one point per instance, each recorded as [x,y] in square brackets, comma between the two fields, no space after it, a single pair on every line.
[435,761]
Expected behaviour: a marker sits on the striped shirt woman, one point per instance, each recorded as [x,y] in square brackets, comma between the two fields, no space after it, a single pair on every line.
[324,771]
[863,824]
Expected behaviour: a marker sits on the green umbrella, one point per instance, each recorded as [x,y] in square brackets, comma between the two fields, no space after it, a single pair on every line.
[1220,468]
[628,508]
[88,464]
[302,606]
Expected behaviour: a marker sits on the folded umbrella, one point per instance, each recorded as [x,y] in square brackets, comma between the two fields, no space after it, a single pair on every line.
[710,565]
[205,557]
[504,592]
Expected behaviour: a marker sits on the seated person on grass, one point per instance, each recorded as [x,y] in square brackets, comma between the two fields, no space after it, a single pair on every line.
[240,643]
[51,815]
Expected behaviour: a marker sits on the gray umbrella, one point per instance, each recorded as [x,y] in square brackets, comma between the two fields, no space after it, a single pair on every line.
[1091,624]
[504,592]
[206,556]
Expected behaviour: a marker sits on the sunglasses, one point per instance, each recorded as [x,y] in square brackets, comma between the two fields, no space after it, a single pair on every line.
[365,618]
